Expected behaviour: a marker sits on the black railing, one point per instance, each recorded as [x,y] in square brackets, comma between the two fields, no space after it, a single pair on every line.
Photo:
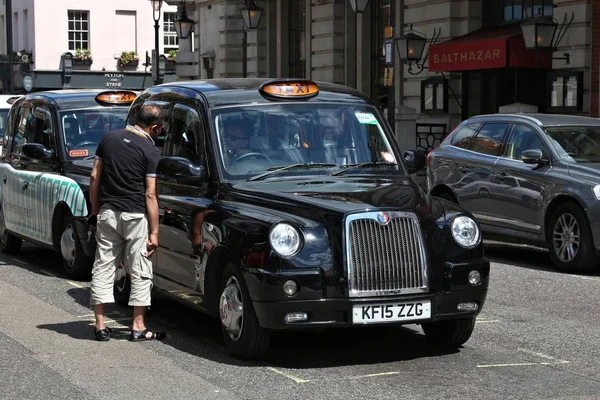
[429,136]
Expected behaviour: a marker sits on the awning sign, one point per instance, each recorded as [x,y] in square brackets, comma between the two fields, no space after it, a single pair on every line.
[468,55]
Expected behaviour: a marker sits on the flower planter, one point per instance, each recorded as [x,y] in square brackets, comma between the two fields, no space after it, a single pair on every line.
[133,63]
[170,65]
[82,62]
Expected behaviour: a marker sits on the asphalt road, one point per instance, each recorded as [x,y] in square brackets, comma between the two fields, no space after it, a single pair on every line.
[538,337]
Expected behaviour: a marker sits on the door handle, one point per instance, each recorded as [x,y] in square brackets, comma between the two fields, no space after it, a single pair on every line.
[25,185]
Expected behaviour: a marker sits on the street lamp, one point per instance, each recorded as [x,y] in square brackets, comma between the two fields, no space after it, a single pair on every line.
[184,26]
[410,47]
[156,6]
[359,6]
[544,33]
[251,15]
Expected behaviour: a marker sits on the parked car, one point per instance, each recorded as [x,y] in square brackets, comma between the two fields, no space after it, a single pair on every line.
[533,179]
[50,142]
[286,204]
[6,102]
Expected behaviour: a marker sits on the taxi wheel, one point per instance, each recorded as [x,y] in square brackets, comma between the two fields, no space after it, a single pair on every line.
[452,332]
[10,244]
[75,262]
[569,240]
[122,287]
[243,335]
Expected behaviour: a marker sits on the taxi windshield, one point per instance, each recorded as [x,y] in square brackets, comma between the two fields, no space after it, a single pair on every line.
[576,144]
[83,129]
[301,139]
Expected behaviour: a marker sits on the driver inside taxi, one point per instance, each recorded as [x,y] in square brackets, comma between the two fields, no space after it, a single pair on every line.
[236,136]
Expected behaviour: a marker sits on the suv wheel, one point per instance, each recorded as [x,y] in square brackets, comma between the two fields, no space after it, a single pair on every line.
[452,332]
[243,335]
[569,240]
[76,264]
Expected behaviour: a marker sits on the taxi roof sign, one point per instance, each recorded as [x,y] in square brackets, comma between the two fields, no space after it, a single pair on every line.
[116,97]
[291,89]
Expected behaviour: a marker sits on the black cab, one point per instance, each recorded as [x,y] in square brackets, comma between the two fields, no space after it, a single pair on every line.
[287,204]
[49,146]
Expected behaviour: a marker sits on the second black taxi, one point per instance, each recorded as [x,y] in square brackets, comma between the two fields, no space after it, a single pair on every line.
[287,204]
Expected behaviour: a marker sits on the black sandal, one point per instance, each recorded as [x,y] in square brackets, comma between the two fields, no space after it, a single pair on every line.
[102,335]
[141,335]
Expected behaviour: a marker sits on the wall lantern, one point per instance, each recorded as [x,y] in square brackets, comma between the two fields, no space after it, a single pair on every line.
[544,33]
[411,45]
[251,14]
[184,26]
[359,6]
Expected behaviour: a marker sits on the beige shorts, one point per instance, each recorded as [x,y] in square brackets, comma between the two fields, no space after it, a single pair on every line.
[121,237]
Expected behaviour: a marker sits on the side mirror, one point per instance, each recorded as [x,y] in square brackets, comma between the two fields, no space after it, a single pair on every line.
[533,157]
[37,151]
[181,169]
[414,160]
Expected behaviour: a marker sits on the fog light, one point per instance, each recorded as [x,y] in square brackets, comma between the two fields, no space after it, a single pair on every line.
[474,277]
[296,317]
[469,306]
[290,288]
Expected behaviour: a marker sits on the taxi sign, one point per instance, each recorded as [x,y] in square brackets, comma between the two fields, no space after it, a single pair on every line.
[116,97]
[289,89]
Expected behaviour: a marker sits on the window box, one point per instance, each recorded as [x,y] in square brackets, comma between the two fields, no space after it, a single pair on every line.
[133,63]
[565,91]
[79,61]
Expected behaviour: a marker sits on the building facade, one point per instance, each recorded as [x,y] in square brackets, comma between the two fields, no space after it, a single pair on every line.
[326,40]
[94,33]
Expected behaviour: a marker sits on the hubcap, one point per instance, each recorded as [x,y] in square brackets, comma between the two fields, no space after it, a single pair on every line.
[231,308]
[67,245]
[566,237]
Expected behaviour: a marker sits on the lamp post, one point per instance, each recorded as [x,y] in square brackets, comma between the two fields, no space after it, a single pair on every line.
[359,6]
[184,26]
[251,15]
[156,6]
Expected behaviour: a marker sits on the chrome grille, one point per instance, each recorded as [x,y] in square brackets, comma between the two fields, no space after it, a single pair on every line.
[385,259]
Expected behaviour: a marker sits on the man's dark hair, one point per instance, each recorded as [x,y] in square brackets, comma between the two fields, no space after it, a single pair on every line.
[149,115]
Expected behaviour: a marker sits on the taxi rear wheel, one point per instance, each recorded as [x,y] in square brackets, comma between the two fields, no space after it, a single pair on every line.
[10,244]
[242,333]
[452,332]
[75,262]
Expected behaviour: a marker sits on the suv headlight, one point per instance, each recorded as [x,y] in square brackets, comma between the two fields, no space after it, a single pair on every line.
[465,231]
[285,239]
[596,190]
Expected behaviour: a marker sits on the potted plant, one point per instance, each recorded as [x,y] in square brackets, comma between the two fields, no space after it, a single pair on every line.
[171,61]
[82,57]
[128,59]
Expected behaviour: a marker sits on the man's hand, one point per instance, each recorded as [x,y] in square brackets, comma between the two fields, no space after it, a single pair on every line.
[152,245]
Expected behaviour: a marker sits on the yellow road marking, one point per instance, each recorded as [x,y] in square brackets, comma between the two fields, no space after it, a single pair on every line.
[47,273]
[522,364]
[75,284]
[292,377]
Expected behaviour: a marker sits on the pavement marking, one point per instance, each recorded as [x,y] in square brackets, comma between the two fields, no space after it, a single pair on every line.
[289,376]
[75,284]
[485,320]
[47,273]
[535,353]
[522,364]
[373,375]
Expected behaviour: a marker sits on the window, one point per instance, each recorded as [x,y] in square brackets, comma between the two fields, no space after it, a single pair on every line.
[184,137]
[434,95]
[522,138]
[78,30]
[297,36]
[169,33]
[25,129]
[515,10]
[565,91]
[462,138]
[43,128]
[489,139]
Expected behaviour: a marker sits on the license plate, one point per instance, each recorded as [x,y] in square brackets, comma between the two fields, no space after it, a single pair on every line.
[391,312]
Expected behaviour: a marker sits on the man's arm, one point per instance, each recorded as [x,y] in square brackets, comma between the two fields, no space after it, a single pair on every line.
[152,211]
[95,186]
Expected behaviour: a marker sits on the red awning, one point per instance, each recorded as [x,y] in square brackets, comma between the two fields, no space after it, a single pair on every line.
[487,48]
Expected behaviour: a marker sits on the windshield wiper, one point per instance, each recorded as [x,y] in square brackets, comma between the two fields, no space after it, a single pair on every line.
[272,170]
[348,167]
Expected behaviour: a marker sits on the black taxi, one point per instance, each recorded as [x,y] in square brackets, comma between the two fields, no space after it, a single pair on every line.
[49,146]
[287,204]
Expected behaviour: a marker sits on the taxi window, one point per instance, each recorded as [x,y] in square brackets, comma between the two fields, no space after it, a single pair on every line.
[25,129]
[184,138]
[257,138]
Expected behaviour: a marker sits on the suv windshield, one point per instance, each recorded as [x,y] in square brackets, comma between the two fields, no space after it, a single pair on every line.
[576,144]
[294,139]
[83,129]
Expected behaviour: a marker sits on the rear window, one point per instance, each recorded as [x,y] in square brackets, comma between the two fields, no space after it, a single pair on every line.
[462,137]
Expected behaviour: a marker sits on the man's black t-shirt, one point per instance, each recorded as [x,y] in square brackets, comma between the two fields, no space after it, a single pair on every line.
[128,157]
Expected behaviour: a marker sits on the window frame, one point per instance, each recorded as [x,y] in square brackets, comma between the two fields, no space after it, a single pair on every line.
[475,131]
[510,134]
[436,82]
[170,134]
[526,5]
[502,140]
[48,115]
[169,32]
[565,74]
[78,43]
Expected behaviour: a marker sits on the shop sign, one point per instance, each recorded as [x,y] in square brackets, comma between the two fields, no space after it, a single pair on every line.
[114,80]
[468,55]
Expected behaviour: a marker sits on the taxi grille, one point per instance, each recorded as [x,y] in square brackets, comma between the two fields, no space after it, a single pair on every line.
[385,259]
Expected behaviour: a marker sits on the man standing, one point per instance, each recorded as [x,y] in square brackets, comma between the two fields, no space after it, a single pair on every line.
[123,196]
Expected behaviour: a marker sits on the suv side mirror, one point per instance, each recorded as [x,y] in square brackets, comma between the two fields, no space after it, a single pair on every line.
[181,169]
[534,157]
[414,160]
[37,151]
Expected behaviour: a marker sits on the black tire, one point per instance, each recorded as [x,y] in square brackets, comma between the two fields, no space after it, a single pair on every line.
[122,287]
[253,340]
[448,197]
[9,243]
[77,265]
[451,333]
[585,258]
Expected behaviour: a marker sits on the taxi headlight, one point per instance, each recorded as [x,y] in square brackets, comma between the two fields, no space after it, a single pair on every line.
[285,239]
[465,231]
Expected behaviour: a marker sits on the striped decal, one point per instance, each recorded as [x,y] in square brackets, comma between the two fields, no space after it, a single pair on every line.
[29,212]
